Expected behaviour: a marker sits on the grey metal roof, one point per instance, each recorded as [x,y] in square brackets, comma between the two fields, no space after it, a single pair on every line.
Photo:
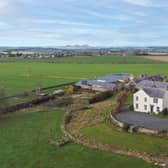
[106,82]
[101,84]
[114,77]
[155,92]
[155,84]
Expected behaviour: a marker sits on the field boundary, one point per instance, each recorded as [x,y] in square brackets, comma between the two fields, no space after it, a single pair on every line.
[41,89]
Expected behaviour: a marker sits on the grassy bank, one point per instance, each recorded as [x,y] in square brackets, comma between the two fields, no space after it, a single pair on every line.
[136,142]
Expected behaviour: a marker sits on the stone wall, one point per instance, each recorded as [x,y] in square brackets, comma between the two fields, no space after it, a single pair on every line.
[31,103]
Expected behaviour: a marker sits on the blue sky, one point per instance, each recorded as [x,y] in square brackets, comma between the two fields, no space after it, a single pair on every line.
[92,22]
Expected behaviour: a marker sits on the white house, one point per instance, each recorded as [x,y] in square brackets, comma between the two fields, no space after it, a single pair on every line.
[150,100]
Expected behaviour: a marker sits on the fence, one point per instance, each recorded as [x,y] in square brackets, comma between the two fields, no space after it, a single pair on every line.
[32,91]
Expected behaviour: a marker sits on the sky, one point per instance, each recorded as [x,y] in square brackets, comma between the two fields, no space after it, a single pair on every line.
[92,22]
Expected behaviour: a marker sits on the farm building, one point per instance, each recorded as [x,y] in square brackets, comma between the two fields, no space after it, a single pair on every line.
[159,78]
[152,84]
[150,100]
[108,82]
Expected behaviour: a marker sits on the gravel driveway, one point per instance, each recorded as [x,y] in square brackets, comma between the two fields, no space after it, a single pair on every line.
[143,120]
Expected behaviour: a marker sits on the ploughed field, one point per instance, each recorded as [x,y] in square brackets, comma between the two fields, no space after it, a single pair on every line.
[158,58]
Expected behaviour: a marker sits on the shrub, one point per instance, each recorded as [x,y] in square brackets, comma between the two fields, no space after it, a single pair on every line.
[121,97]
[165,112]
[131,108]
[101,96]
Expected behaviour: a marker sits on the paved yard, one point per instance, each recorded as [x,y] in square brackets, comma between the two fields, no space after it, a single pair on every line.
[143,120]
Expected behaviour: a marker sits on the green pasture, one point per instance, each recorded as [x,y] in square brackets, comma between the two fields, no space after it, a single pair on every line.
[25,142]
[17,77]
[110,59]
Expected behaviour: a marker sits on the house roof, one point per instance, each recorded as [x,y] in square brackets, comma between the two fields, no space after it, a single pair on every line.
[154,84]
[155,92]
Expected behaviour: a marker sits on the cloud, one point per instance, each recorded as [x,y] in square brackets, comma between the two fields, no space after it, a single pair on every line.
[5,26]
[8,7]
[109,22]
[139,2]
[108,16]
[61,22]
[4,6]
[148,3]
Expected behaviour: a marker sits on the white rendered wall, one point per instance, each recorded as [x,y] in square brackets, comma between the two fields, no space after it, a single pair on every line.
[142,103]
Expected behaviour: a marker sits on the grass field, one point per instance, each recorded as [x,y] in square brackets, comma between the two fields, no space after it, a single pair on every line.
[16,77]
[25,143]
[111,59]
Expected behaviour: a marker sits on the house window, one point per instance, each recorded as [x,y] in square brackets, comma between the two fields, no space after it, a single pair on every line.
[137,98]
[145,107]
[158,109]
[155,100]
[145,99]
[137,106]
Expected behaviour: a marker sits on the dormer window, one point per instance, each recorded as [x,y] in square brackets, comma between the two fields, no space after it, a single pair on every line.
[137,98]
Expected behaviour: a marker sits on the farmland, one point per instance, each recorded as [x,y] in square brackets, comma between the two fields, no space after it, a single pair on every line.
[25,137]
[17,77]
[158,58]
[110,59]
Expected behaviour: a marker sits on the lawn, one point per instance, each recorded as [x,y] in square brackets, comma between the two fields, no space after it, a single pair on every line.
[136,142]
[25,142]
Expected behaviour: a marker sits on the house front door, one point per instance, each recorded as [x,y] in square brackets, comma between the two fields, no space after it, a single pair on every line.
[151,109]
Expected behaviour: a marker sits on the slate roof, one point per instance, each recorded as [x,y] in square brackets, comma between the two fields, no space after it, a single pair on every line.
[155,92]
[155,84]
